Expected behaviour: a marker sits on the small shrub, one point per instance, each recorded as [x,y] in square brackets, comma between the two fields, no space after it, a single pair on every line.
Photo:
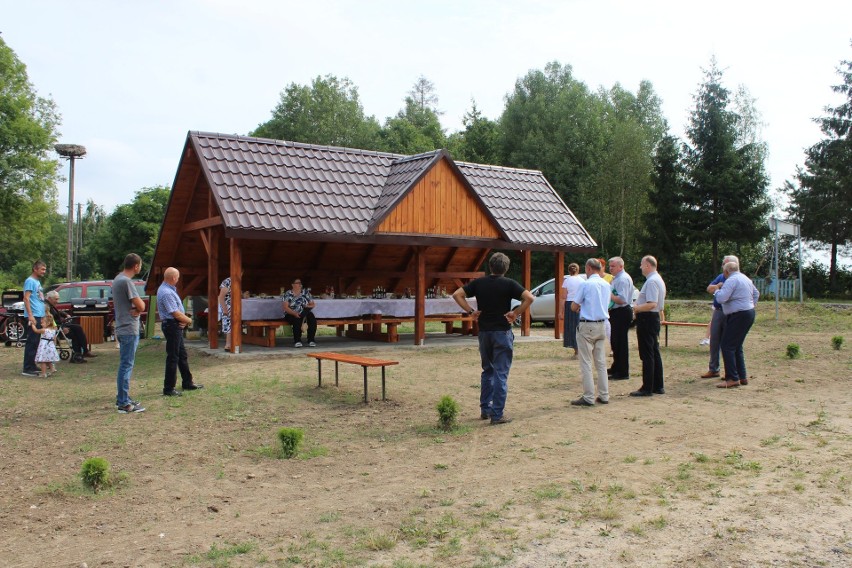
[95,473]
[291,439]
[793,351]
[837,342]
[448,411]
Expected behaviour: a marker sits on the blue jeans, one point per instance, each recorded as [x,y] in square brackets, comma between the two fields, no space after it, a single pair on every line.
[495,351]
[126,357]
[737,326]
[31,346]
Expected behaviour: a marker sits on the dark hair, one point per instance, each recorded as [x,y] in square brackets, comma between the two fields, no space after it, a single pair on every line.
[132,260]
[498,263]
[38,264]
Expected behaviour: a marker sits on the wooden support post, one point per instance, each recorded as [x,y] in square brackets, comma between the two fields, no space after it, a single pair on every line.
[526,266]
[419,296]
[212,287]
[558,275]
[236,296]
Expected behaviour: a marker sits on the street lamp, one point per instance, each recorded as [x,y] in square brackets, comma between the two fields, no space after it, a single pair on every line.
[71,152]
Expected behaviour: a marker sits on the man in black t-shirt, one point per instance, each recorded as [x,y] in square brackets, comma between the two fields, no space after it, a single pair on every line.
[494,295]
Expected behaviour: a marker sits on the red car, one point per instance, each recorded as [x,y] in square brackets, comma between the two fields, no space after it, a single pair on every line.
[95,296]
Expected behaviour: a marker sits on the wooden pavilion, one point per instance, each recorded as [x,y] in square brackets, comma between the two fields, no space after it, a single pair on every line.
[267,211]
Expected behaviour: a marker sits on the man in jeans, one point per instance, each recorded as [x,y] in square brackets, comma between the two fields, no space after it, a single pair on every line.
[494,295]
[34,308]
[717,323]
[128,306]
[173,320]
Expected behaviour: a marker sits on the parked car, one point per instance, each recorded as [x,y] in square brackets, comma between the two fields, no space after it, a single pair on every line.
[95,294]
[543,306]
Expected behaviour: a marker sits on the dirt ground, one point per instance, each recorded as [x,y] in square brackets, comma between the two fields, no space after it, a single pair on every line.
[754,476]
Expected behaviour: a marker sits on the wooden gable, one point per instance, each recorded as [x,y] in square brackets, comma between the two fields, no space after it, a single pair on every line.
[440,204]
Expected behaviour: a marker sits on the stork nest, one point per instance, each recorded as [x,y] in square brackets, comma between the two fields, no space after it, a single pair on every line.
[69,150]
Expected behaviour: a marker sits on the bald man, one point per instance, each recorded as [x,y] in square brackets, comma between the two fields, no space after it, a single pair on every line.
[173,321]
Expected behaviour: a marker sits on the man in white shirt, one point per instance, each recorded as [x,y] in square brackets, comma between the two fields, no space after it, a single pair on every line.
[591,303]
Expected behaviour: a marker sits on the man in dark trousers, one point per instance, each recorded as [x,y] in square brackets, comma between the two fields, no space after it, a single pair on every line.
[173,320]
[494,295]
[620,317]
[34,308]
[651,302]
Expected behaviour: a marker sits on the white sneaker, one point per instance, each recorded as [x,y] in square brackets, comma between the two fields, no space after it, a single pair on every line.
[312,344]
[297,344]
[704,341]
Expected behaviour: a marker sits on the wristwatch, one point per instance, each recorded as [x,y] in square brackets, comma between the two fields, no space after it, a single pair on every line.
[470,311]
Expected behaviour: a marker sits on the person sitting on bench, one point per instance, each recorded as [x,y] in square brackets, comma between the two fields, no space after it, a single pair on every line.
[298,309]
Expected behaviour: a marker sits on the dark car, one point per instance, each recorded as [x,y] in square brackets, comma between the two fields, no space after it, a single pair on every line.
[95,296]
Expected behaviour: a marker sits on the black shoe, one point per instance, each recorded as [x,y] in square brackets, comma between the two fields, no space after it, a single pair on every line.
[602,401]
[581,402]
[501,420]
[641,393]
[484,416]
[192,387]
[660,391]
[619,378]
[172,393]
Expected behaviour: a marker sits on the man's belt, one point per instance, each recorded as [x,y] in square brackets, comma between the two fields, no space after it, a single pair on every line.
[592,321]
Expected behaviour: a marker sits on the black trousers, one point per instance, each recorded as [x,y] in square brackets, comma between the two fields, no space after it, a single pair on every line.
[307,316]
[31,346]
[176,357]
[648,336]
[79,343]
[619,321]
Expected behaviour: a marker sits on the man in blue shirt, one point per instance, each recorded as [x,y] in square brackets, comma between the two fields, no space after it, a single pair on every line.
[717,322]
[173,321]
[738,298]
[34,308]
[591,303]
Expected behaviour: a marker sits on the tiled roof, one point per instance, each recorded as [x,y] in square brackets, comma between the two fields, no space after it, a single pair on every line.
[277,186]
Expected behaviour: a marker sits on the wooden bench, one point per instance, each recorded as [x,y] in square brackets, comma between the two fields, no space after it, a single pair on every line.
[355,360]
[679,324]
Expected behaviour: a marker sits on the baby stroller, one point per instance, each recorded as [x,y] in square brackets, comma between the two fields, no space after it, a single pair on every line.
[13,327]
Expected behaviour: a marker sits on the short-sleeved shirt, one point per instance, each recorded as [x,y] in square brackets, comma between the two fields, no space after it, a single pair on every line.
[297,303]
[33,285]
[168,301]
[737,294]
[123,292]
[571,285]
[622,285]
[653,290]
[494,295]
[718,280]
[593,297]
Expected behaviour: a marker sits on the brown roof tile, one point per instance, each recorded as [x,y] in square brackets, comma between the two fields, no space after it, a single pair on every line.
[288,187]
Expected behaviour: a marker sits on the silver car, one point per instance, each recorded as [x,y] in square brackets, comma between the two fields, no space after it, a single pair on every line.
[543,307]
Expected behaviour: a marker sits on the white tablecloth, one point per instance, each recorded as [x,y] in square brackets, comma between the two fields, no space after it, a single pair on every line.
[271,308]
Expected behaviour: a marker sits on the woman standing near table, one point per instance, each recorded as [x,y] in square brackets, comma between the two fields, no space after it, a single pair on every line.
[298,309]
[570,284]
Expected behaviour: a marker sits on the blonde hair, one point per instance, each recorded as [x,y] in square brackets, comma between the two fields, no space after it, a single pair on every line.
[47,322]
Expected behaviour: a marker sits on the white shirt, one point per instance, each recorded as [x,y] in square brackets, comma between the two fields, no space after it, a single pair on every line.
[593,297]
[571,285]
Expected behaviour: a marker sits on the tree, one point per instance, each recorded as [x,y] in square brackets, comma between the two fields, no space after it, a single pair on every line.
[478,141]
[132,227]
[416,128]
[822,203]
[727,184]
[327,112]
[28,172]
[666,241]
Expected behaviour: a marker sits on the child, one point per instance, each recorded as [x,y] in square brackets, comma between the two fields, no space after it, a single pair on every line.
[47,353]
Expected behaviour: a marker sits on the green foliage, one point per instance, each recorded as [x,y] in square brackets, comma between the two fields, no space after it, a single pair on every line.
[95,473]
[327,112]
[822,202]
[448,411]
[132,227]
[28,171]
[726,195]
[291,440]
[793,351]
[837,342]
[478,142]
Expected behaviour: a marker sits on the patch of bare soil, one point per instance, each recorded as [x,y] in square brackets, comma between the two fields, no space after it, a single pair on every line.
[754,476]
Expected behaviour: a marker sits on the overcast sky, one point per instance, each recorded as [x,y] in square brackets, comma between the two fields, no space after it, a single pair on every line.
[131,78]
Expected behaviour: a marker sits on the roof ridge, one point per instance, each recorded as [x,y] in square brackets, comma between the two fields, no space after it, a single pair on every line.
[294,144]
[422,155]
[495,167]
